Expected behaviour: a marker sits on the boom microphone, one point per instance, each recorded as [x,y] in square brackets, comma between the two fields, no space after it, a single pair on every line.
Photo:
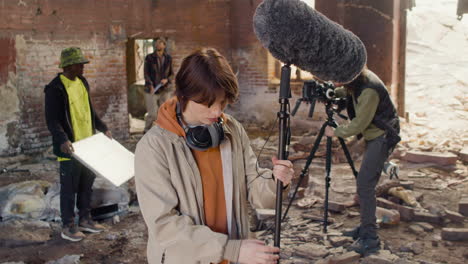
[295,33]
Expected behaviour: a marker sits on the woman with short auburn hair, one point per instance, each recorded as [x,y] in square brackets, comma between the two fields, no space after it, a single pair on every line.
[205,83]
[195,171]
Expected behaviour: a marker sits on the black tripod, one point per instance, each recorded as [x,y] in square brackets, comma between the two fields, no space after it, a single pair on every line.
[329,122]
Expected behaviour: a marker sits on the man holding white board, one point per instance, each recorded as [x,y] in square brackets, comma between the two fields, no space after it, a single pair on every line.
[70,117]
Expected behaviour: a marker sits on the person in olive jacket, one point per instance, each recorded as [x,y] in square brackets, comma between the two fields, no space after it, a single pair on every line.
[374,118]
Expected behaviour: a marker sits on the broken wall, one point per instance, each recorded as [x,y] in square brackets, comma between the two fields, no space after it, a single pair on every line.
[32,34]
[9,101]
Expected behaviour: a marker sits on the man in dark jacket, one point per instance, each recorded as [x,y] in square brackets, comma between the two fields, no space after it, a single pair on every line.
[158,79]
[373,117]
[70,117]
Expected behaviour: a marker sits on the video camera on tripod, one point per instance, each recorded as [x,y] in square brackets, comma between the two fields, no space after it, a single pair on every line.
[313,91]
[325,93]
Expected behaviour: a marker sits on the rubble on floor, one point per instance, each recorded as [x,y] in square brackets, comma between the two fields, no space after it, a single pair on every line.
[422,215]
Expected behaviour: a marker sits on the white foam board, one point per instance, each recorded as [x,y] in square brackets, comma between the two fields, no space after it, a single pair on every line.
[106,158]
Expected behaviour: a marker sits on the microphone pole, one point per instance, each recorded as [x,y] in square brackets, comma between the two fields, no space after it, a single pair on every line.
[283,116]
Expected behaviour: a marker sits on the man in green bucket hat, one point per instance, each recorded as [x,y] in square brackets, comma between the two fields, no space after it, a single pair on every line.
[70,117]
[71,56]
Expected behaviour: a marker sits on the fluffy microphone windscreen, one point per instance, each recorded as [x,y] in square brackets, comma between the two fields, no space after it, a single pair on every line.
[295,33]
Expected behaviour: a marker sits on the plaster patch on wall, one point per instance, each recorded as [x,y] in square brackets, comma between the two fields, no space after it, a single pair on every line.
[9,101]
[10,104]
[23,52]
[9,109]
[13,134]
[3,138]
[21,49]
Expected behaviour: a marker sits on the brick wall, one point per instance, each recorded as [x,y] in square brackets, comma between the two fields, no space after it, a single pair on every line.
[37,64]
[36,31]
[250,61]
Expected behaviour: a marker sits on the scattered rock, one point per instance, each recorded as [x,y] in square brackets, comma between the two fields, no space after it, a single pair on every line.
[263,214]
[346,258]
[353,214]
[426,226]
[339,241]
[336,250]
[387,216]
[23,232]
[454,216]
[416,229]
[463,206]
[286,253]
[427,217]
[443,159]
[406,213]
[436,209]
[383,257]
[407,184]
[416,174]
[414,247]
[306,202]
[307,140]
[426,262]
[68,259]
[314,217]
[405,195]
[382,189]
[418,195]
[406,261]
[115,219]
[464,154]
[448,244]
[311,251]
[336,207]
[112,236]
[455,234]
[394,199]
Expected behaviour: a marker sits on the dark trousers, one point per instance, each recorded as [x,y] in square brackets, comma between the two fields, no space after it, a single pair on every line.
[76,182]
[375,155]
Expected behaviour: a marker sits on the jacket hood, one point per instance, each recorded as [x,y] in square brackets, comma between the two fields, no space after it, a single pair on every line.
[54,83]
[167,117]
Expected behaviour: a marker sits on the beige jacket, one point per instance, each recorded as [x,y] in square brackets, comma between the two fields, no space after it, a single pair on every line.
[170,195]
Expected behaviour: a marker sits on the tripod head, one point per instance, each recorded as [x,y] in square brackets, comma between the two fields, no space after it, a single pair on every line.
[313,91]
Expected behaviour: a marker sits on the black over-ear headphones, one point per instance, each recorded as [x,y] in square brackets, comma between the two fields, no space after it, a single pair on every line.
[201,137]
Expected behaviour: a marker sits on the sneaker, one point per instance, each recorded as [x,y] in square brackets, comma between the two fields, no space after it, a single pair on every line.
[365,246]
[354,233]
[71,232]
[91,226]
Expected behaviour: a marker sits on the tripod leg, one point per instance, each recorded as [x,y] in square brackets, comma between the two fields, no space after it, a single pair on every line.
[327,182]
[348,157]
[306,167]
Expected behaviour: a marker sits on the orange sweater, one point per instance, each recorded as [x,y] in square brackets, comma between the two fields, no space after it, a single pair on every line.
[211,171]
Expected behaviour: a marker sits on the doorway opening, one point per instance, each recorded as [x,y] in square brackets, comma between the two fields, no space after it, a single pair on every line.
[137,49]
